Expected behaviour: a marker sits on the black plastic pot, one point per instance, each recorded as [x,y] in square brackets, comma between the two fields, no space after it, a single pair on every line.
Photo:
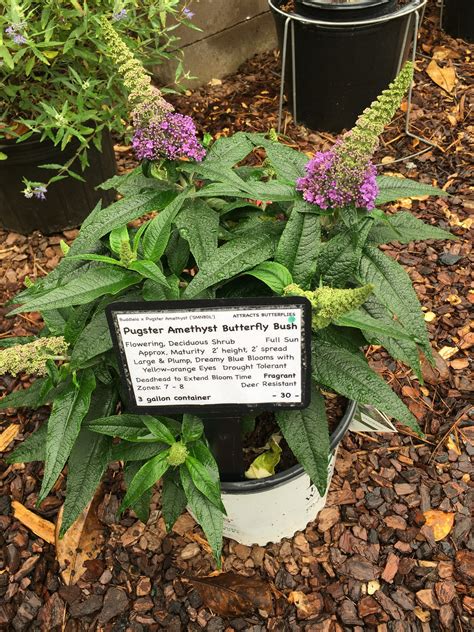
[68,201]
[458,19]
[342,68]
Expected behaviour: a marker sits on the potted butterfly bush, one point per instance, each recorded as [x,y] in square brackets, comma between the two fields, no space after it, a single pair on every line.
[61,99]
[287,227]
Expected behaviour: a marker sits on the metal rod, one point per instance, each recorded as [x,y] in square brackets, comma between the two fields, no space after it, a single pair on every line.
[293,70]
[283,71]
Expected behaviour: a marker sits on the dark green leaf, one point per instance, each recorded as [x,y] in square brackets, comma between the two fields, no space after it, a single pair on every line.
[394,289]
[98,332]
[288,164]
[142,506]
[307,434]
[145,478]
[30,397]
[234,257]
[86,287]
[158,429]
[209,517]
[173,499]
[126,451]
[149,270]
[204,482]
[192,428]
[404,227]
[126,426]
[392,188]
[76,322]
[360,319]
[177,253]
[157,234]
[273,274]
[300,245]
[198,223]
[69,409]
[227,152]
[347,372]
[32,448]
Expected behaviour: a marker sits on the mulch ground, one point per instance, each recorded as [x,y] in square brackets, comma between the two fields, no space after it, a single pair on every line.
[370,561]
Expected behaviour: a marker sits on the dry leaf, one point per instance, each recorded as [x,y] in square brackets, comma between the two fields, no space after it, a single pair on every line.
[423,615]
[454,299]
[41,527]
[447,352]
[443,77]
[440,521]
[452,445]
[307,606]
[429,317]
[386,160]
[231,595]
[8,435]
[83,541]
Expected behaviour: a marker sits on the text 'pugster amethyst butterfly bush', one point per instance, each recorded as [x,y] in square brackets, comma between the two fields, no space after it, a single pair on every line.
[221,228]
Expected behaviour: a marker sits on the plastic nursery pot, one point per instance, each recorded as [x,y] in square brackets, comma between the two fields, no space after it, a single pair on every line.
[267,510]
[342,63]
[458,19]
[68,201]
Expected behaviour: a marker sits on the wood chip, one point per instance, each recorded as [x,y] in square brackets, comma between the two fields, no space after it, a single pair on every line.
[7,436]
[41,527]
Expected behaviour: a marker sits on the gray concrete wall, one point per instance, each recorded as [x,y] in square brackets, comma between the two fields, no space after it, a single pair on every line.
[232,31]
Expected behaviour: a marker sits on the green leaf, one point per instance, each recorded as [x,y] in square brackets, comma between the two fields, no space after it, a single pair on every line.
[31,397]
[204,482]
[126,451]
[142,506]
[300,245]
[228,151]
[402,350]
[158,429]
[288,164]
[336,365]
[76,322]
[273,274]
[340,256]
[157,234]
[5,343]
[149,270]
[32,448]
[359,319]
[265,463]
[394,289]
[98,331]
[177,253]
[192,428]
[117,237]
[173,499]
[404,227]
[69,409]
[145,478]
[55,321]
[209,517]
[100,258]
[88,459]
[199,225]
[392,188]
[234,257]
[126,426]
[307,434]
[84,288]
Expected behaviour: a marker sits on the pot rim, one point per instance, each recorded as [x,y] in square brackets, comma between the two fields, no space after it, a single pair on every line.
[269,482]
[411,7]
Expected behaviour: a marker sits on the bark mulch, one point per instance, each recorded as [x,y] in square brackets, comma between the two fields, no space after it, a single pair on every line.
[393,549]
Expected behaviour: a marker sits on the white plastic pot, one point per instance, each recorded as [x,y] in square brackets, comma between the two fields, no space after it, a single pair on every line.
[273,508]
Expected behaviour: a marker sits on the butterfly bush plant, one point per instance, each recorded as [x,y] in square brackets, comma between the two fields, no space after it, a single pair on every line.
[56,79]
[286,227]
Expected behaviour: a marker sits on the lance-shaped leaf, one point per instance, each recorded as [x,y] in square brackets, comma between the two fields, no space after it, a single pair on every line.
[288,163]
[204,482]
[394,289]
[405,227]
[157,234]
[31,397]
[228,151]
[173,499]
[307,434]
[273,274]
[149,270]
[85,287]
[146,477]
[142,505]
[64,423]
[198,224]
[158,429]
[392,188]
[234,257]
[209,517]
[192,428]
[33,448]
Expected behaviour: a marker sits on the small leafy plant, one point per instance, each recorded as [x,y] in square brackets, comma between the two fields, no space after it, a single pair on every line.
[56,79]
[285,227]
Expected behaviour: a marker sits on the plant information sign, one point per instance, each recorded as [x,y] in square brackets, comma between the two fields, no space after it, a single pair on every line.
[222,355]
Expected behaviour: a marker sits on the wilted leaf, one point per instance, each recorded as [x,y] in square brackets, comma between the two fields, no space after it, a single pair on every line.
[41,527]
[264,465]
[82,542]
[7,436]
[440,521]
[443,77]
[231,595]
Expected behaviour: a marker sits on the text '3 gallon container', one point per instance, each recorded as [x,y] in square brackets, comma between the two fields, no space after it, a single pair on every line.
[346,52]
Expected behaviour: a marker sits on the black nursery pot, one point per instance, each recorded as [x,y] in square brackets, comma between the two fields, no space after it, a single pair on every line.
[458,19]
[68,201]
[269,509]
[341,68]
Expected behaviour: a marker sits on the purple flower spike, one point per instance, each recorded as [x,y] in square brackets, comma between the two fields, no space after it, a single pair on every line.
[120,15]
[174,137]
[188,13]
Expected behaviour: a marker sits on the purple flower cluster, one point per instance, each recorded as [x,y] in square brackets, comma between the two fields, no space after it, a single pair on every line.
[39,192]
[15,32]
[173,137]
[187,13]
[333,181]
[120,15]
